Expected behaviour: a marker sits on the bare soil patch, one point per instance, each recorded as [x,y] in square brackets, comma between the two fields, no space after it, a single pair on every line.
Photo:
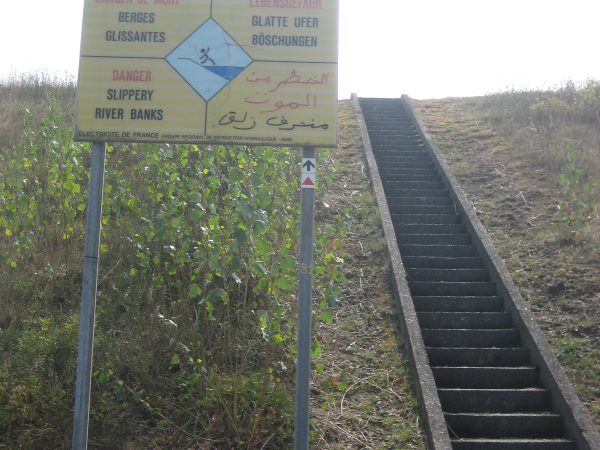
[362,399]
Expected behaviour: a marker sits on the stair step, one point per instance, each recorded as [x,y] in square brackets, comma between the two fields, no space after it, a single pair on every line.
[394,123]
[456,275]
[457,303]
[405,153]
[436,262]
[465,320]
[405,201]
[471,288]
[485,377]
[429,229]
[393,180]
[405,143]
[390,118]
[494,400]
[408,137]
[402,165]
[407,165]
[394,117]
[512,444]
[434,239]
[526,425]
[422,209]
[401,171]
[392,174]
[408,156]
[447,251]
[392,193]
[407,219]
[400,127]
[470,338]
[396,209]
[403,130]
[478,357]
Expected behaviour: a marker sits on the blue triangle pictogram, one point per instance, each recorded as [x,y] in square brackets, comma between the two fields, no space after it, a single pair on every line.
[209,59]
[227,72]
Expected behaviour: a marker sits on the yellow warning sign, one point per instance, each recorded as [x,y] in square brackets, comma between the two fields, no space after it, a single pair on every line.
[215,71]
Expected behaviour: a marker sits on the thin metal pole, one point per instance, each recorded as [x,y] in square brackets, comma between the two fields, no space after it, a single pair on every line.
[88,298]
[305,303]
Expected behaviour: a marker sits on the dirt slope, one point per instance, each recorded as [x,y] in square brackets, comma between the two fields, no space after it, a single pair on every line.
[362,399]
[516,200]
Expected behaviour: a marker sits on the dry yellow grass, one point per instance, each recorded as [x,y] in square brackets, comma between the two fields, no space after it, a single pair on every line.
[30,91]
[508,152]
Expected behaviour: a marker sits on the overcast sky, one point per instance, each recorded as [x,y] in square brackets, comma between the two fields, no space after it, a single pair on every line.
[423,48]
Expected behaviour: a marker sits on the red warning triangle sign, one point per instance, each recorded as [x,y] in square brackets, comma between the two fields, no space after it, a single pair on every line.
[308,182]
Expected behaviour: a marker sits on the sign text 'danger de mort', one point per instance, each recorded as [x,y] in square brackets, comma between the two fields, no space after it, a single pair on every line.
[229,71]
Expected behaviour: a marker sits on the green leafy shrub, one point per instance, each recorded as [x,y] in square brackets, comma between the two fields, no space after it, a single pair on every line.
[196,304]
[41,198]
[578,200]
[35,383]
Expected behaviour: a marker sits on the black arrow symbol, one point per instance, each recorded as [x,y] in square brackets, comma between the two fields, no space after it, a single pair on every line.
[309,165]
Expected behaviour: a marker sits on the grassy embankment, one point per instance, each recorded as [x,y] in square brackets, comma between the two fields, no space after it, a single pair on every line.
[196,311]
[530,164]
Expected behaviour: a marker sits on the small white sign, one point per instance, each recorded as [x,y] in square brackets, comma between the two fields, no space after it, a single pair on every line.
[309,170]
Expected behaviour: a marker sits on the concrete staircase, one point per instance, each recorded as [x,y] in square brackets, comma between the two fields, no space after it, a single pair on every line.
[489,389]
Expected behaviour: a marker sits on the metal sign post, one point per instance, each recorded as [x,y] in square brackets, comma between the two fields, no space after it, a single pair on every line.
[305,262]
[206,71]
[88,298]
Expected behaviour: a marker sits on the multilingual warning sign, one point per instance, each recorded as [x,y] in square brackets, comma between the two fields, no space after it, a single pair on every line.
[213,71]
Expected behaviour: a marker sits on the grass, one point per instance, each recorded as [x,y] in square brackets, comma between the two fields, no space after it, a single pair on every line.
[195,304]
[539,123]
[362,397]
[195,324]
[530,163]
[185,356]
[30,91]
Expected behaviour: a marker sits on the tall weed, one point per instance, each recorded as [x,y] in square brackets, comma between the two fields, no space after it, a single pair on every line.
[559,131]
[578,198]
[540,122]
[196,302]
